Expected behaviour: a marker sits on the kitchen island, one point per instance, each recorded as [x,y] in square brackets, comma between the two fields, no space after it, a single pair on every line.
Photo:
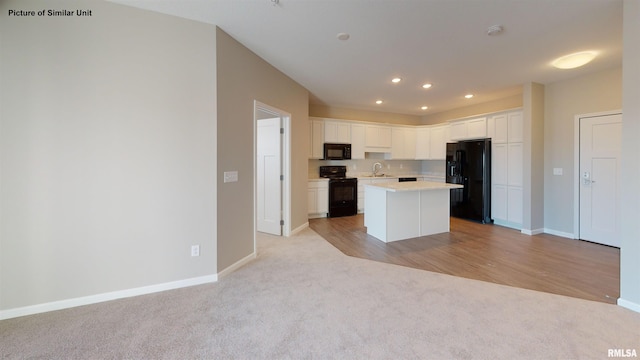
[403,210]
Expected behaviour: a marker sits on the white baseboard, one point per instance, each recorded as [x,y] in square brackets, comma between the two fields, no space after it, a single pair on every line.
[299,229]
[98,298]
[559,233]
[532,232]
[238,264]
[629,305]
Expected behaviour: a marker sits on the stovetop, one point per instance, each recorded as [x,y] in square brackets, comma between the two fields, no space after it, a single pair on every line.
[337,172]
[333,172]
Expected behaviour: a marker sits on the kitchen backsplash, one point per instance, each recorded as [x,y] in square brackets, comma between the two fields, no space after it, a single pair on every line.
[392,167]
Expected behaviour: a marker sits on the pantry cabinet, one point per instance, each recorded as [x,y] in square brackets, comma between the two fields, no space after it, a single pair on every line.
[507,169]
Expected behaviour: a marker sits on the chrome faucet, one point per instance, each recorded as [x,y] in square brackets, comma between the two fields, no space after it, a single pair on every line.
[376,167]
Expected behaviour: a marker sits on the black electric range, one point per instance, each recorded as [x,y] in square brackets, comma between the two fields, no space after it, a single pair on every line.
[343,191]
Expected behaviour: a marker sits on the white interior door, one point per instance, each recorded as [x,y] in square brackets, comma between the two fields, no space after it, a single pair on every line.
[269,165]
[600,148]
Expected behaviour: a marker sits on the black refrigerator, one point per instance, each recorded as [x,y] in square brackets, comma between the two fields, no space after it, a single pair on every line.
[469,164]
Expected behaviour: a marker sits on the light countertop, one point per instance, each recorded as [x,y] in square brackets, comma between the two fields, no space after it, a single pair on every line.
[415,186]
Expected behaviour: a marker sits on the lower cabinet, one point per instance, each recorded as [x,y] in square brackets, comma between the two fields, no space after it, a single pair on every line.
[506,205]
[318,198]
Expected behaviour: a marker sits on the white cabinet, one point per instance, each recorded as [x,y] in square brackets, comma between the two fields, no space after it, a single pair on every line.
[357,141]
[506,128]
[316,139]
[515,205]
[507,169]
[318,198]
[515,169]
[403,143]
[515,125]
[337,132]
[423,143]
[438,144]
[469,129]
[378,137]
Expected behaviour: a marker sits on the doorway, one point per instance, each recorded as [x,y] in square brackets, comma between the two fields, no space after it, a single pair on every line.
[598,178]
[272,168]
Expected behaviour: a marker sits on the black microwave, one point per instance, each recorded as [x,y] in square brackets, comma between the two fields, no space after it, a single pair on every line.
[337,151]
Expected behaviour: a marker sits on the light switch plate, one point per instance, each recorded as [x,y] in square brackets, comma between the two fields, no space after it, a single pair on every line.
[557,171]
[230,176]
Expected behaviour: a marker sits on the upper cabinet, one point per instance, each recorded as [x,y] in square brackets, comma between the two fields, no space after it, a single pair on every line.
[316,139]
[378,137]
[337,132]
[439,135]
[403,143]
[357,141]
[423,143]
[468,129]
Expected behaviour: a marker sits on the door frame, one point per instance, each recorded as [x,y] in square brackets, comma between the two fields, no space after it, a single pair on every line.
[576,165]
[285,118]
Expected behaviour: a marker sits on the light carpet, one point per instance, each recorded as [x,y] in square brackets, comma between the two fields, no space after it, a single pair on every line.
[302,298]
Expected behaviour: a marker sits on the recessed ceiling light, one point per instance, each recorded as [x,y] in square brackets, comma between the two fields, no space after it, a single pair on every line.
[468,96]
[343,36]
[378,102]
[426,86]
[424,107]
[574,60]
[396,80]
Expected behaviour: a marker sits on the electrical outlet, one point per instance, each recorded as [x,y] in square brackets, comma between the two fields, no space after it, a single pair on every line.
[195,250]
[557,171]
[230,176]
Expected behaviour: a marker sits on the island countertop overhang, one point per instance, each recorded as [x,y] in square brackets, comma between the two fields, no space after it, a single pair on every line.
[414,186]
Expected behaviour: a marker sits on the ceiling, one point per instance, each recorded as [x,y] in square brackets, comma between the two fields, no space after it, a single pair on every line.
[443,42]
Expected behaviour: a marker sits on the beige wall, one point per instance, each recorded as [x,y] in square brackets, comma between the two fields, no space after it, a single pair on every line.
[597,92]
[512,102]
[242,78]
[533,167]
[108,150]
[362,115]
[630,246]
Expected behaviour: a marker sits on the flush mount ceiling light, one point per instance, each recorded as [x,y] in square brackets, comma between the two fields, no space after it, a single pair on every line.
[494,30]
[378,102]
[343,36]
[396,80]
[468,96]
[574,60]
[424,107]
[426,86]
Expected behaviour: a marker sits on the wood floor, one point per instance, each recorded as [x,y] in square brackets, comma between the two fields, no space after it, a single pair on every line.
[490,253]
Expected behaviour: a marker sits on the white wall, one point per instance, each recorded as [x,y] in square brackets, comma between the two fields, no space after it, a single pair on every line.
[630,246]
[107,149]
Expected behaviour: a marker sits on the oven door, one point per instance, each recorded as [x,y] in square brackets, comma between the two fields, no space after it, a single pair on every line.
[343,197]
